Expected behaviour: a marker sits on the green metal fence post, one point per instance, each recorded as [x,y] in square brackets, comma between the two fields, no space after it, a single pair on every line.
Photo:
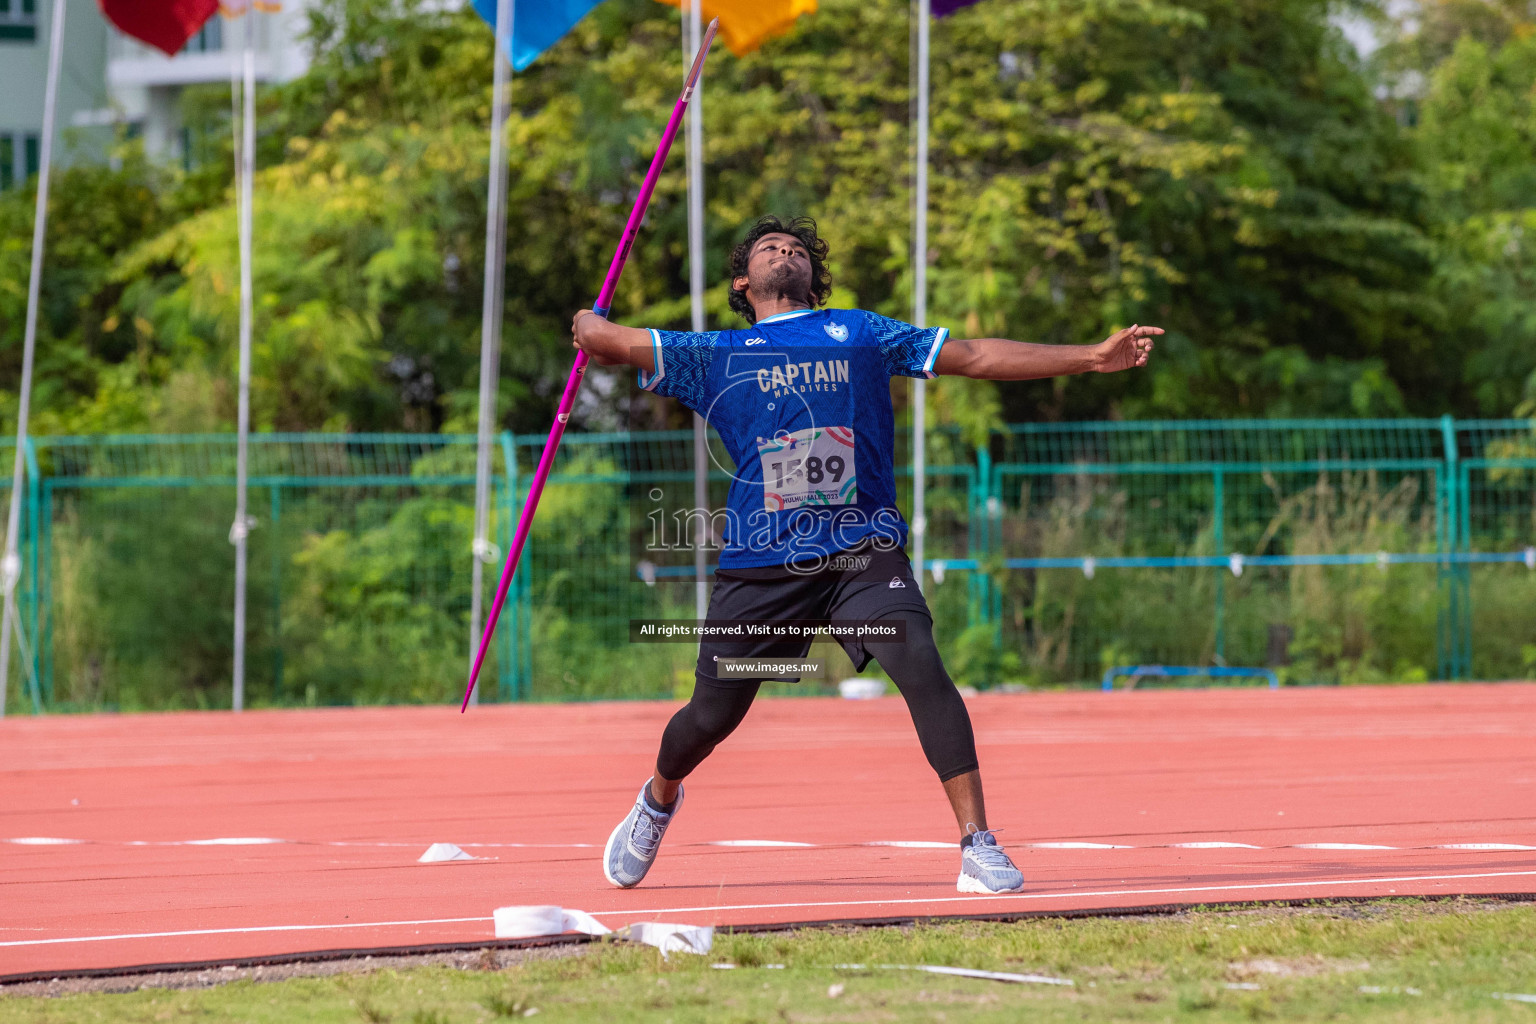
[981,521]
[45,559]
[1218,541]
[510,682]
[1453,612]
[34,529]
[1444,488]
[1463,620]
[277,595]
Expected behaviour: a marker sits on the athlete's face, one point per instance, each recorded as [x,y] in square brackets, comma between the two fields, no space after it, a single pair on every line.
[778,267]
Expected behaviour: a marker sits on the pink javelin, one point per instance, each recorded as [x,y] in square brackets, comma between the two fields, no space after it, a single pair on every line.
[568,399]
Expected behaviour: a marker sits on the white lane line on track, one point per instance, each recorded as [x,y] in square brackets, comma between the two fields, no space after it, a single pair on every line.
[44,841]
[245,931]
[1247,887]
[750,843]
[267,841]
[246,841]
[632,914]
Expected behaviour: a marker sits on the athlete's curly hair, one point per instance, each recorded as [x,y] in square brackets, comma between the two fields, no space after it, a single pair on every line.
[803,228]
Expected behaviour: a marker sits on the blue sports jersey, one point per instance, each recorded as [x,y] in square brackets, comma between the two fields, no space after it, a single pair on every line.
[802,402]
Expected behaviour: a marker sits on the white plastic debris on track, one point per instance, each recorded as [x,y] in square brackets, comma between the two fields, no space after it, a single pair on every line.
[536,922]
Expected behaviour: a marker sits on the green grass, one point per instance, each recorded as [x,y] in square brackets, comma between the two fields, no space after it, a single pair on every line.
[1425,961]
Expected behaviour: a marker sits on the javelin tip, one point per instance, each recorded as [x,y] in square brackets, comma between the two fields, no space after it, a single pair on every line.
[701,56]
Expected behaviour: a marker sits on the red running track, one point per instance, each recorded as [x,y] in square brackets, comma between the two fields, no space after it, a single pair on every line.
[356,795]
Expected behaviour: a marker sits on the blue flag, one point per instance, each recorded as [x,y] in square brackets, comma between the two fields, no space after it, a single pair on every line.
[537,25]
[943,7]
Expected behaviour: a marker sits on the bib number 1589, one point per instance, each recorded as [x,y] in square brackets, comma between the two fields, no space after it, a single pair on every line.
[814,466]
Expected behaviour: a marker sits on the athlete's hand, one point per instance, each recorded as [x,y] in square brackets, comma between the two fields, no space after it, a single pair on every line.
[1125,349]
[587,335]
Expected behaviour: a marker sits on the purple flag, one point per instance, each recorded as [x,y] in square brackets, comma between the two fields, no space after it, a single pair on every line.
[943,7]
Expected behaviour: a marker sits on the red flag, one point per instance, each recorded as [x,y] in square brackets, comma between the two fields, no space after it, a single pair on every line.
[164,24]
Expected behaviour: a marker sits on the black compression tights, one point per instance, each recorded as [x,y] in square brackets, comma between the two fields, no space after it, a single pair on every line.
[943,724]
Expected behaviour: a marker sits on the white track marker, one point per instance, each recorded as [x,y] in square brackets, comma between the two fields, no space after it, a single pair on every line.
[1484,846]
[758,842]
[1339,846]
[440,853]
[1078,846]
[1213,846]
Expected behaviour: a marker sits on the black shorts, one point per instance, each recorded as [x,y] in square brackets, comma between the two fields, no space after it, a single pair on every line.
[858,585]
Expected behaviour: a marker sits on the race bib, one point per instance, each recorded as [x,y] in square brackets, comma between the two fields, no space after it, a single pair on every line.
[813,466]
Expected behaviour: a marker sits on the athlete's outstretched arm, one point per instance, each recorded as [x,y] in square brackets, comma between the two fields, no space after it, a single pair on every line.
[1000,359]
[610,344]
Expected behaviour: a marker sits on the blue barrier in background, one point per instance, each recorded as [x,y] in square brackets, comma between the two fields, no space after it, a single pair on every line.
[1214,671]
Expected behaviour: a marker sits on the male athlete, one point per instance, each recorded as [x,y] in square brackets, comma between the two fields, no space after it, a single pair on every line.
[802,401]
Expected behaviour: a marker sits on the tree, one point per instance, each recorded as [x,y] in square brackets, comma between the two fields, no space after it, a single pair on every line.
[1219,167]
[1477,132]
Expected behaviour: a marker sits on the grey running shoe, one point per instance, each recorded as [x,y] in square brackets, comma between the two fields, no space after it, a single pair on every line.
[632,847]
[986,869]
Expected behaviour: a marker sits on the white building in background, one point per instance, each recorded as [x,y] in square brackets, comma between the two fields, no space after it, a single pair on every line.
[145,85]
[24,28]
[109,80]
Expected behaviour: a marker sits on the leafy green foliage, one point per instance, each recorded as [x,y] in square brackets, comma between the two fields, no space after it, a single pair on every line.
[85,348]
[1477,133]
[1220,167]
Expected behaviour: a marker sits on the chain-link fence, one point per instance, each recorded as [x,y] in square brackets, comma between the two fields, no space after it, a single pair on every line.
[1333,551]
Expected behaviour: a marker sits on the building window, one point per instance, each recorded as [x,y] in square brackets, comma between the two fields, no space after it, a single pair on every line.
[209,38]
[18,21]
[20,155]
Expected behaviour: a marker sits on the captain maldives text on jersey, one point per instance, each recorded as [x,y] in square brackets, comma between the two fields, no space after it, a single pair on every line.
[817,375]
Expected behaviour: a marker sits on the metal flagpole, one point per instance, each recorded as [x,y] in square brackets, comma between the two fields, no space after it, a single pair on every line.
[693,29]
[10,567]
[240,530]
[573,383]
[483,550]
[920,301]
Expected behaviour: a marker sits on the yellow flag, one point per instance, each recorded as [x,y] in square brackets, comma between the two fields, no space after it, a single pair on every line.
[746,24]
[237,8]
